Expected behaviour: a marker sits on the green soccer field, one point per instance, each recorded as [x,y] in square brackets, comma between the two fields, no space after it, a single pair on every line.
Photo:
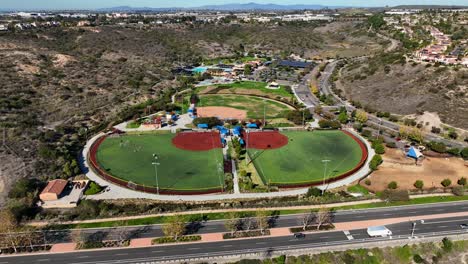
[130,158]
[301,160]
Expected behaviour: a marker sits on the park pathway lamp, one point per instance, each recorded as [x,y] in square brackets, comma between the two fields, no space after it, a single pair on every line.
[156,164]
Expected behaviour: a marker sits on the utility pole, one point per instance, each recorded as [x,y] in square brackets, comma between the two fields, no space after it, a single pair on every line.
[324,174]
[156,163]
[264,113]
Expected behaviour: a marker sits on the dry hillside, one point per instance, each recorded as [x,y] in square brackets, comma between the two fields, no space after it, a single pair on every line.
[407,88]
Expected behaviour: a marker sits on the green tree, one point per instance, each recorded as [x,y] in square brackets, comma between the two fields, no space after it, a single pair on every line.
[361,116]
[343,117]
[376,21]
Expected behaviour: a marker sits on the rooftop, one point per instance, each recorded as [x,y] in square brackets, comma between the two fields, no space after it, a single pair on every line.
[55,186]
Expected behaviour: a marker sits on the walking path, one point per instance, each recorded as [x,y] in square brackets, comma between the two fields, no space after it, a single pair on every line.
[117,192]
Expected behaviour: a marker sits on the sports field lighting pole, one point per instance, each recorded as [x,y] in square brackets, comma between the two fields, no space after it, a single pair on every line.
[156,163]
[413,228]
[324,173]
[264,112]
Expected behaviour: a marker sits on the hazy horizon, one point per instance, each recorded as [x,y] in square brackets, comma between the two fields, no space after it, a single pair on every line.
[93,4]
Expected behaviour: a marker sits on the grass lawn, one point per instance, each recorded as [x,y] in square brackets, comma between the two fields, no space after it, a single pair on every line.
[132,124]
[252,87]
[93,188]
[130,157]
[301,160]
[253,105]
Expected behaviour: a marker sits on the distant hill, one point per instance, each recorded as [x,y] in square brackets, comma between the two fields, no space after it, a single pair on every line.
[226,7]
[429,7]
[255,6]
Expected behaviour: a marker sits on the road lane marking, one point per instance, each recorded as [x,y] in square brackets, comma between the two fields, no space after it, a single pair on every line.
[82,257]
[121,254]
[42,260]
[348,235]
[157,251]
[227,246]
[260,243]
[193,248]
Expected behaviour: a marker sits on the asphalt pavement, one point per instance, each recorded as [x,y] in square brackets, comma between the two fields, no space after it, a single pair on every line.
[61,236]
[401,231]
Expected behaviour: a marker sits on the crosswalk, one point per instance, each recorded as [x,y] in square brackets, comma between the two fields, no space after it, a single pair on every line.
[348,235]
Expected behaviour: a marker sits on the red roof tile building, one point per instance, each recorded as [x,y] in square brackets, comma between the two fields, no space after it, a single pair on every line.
[53,190]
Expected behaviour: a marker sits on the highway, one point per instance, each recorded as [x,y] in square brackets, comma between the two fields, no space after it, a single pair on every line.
[267,245]
[281,221]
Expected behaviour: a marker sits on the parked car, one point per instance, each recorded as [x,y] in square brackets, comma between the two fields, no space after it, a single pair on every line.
[464,226]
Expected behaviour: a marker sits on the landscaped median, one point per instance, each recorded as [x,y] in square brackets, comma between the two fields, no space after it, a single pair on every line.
[165,240]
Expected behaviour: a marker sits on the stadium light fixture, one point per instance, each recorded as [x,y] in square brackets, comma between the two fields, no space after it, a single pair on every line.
[156,164]
[324,173]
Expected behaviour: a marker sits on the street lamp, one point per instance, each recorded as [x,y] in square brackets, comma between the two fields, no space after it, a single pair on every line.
[156,163]
[412,230]
[324,173]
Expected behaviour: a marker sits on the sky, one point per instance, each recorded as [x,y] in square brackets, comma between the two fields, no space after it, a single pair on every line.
[92,4]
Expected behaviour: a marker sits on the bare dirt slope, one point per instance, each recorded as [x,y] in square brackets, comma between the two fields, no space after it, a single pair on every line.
[408,89]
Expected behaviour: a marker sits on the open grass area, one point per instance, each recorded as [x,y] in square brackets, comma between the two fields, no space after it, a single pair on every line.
[130,158]
[253,105]
[250,87]
[300,161]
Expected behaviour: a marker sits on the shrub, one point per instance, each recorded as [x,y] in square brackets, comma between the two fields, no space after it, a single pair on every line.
[454,151]
[392,185]
[163,240]
[464,153]
[379,149]
[437,146]
[375,162]
[368,182]
[391,144]
[447,244]
[366,133]
[313,191]
[418,259]
[462,181]
[419,184]
[446,183]
[458,190]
